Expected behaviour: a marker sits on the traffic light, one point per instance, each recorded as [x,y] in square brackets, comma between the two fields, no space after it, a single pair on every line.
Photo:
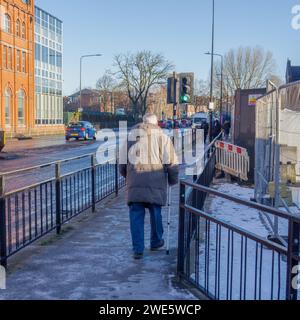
[186,88]
[172,88]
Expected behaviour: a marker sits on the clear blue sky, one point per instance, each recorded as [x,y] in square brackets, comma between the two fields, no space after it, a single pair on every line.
[181,30]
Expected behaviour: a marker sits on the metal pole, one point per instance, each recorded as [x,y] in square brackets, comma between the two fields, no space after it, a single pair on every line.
[277,163]
[221,105]
[3,238]
[175,100]
[222,75]
[58,196]
[93,166]
[276,172]
[117,176]
[227,98]
[169,219]
[212,69]
[181,232]
[80,105]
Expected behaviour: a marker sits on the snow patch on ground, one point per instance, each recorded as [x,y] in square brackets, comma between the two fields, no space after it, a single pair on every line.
[246,269]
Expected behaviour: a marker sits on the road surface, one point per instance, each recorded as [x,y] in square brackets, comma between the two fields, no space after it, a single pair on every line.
[26,158]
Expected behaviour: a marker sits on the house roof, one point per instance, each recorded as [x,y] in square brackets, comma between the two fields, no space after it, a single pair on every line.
[85,92]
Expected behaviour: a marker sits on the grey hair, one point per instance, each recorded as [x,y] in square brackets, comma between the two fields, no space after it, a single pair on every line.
[150,118]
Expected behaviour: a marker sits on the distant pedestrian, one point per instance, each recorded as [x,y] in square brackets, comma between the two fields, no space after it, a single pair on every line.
[226,128]
[152,165]
[205,127]
[217,128]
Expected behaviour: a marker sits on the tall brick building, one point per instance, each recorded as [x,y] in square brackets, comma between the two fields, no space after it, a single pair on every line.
[17,65]
[26,105]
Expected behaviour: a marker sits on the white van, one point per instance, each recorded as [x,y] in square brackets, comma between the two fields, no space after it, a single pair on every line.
[198,119]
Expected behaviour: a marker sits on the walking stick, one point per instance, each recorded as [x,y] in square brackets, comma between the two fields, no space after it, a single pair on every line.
[169,219]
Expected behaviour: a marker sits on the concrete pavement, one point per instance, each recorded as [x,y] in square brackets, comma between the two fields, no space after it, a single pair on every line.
[15,145]
[93,260]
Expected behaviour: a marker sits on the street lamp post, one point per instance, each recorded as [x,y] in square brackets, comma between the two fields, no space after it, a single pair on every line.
[212,70]
[222,74]
[227,93]
[81,58]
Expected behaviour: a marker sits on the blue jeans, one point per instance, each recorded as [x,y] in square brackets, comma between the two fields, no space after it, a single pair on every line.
[137,223]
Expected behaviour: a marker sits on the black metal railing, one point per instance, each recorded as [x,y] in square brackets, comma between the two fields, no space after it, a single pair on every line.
[31,212]
[226,262]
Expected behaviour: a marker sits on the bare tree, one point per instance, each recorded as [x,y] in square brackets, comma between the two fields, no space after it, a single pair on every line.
[106,85]
[107,81]
[139,73]
[201,95]
[245,68]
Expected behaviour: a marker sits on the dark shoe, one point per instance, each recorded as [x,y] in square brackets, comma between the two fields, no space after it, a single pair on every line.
[161,244]
[138,256]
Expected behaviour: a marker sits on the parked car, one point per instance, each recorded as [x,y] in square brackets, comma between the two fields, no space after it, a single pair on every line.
[186,123]
[162,124]
[169,124]
[177,124]
[81,130]
[120,111]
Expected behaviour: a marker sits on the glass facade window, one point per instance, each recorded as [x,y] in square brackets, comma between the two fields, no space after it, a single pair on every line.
[48,68]
[7,97]
[21,107]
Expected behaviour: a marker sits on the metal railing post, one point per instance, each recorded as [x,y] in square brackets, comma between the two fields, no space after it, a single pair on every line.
[117,187]
[181,231]
[117,176]
[3,240]
[182,143]
[93,166]
[194,135]
[58,196]
[293,263]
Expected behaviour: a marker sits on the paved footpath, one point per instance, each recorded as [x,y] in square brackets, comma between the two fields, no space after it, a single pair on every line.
[14,145]
[93,260]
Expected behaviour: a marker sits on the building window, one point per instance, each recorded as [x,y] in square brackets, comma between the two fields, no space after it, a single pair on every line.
[7,23]
[21,107]
[4,57]
[7,96]
[18,60]
[23,30]
[24,62]
[45,54]
[18,28]
[9,58]
[37,52]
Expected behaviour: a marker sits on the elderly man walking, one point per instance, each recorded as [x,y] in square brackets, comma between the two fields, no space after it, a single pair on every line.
[151,166]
